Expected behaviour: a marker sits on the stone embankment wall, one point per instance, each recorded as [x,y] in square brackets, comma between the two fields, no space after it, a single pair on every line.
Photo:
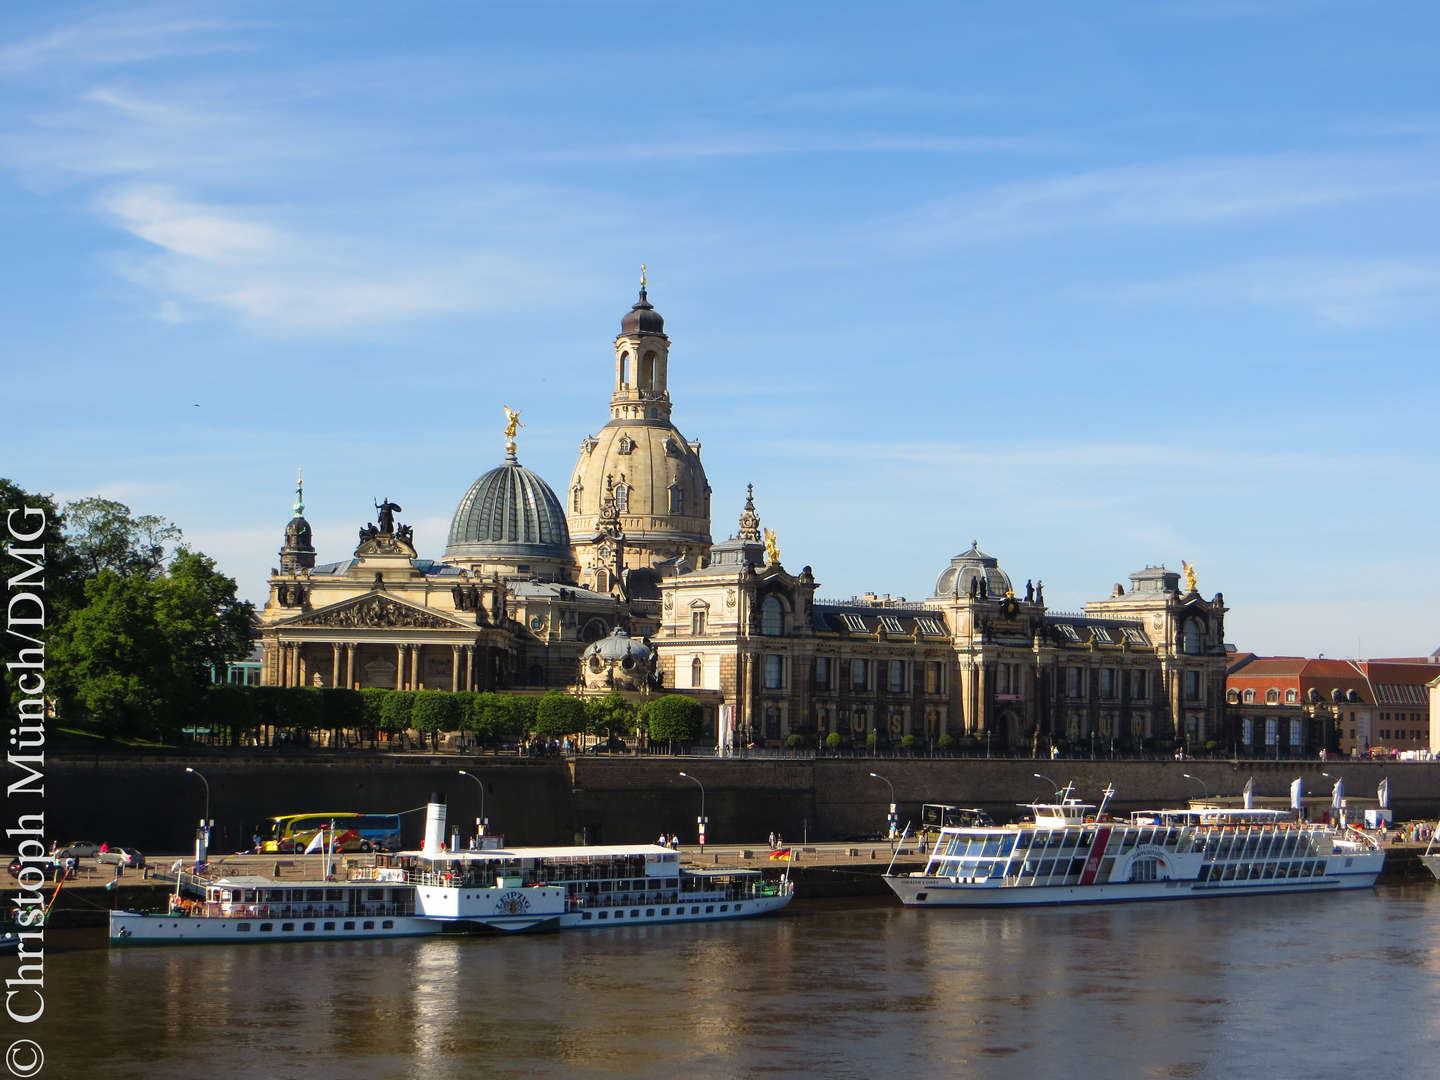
[153,804]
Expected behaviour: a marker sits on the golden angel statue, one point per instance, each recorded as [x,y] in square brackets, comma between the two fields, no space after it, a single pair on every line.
[1189,575]
[512,424]
[772,549]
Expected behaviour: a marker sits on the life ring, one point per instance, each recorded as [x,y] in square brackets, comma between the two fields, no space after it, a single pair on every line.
[447,878]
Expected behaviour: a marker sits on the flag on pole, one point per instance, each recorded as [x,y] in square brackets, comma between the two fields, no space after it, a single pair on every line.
[1297,793]
[317,843]
[1250,794]
[1383,793]
[110,885]
[1337,793]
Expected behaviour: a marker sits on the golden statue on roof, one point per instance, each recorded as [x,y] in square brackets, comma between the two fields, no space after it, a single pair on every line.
[642,275]
[512,424]
[772,549]
[1189,575]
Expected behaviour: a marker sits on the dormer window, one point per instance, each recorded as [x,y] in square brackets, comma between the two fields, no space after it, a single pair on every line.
[626,444]
[772,617]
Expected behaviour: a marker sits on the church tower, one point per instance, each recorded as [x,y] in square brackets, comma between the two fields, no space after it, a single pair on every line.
[640,469]
[299,550]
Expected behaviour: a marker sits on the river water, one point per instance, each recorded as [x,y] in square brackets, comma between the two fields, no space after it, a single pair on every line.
[1340,985]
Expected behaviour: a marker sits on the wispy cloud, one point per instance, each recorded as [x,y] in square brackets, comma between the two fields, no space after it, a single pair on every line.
[120,39]
[1168,194]
[1346,293]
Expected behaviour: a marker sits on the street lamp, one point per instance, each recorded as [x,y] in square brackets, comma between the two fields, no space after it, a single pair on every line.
[482,821]
[1053,786]
[702,820]
[891,820]
[1205,791]
[202,835]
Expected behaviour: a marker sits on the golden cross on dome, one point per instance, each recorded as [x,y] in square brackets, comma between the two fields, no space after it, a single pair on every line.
[642,275]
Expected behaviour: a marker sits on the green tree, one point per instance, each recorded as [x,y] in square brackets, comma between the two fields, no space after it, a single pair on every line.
[609,715]
[834,741]
[372,701]
[435,711]
[559,714]
[395,711]
[105,536]
[673,718]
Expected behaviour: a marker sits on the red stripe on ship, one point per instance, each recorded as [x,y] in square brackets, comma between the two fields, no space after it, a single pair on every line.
[1097,852]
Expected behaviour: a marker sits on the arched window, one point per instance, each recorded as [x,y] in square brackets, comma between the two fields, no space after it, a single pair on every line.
[625,369]
[697,673]
[622,497]
[1190,638]
[602,581]
[1249,697]
[1232,697]
[772,617]
[646,380]
[1290,697]
[677,499]
[575,498]
[1272,696]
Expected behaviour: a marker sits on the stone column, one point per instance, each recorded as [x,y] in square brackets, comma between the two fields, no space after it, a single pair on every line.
[399,667]
[335,663]
[415,667]
[454,668]
[469,667]
[350,666]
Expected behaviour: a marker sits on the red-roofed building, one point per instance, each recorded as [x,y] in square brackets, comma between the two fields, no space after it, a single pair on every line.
[1293,706]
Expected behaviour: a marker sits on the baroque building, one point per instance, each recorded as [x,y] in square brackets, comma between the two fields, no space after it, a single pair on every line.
[619,586]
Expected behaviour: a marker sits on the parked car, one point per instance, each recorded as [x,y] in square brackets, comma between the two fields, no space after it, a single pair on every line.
[124,856]
[80,849]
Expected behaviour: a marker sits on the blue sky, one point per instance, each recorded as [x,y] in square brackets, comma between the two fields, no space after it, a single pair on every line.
[1100,286]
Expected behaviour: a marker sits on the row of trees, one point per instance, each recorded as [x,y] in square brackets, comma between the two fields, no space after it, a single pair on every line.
[265,713]
[135,620]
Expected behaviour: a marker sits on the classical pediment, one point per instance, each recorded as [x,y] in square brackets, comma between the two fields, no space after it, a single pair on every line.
[374,611]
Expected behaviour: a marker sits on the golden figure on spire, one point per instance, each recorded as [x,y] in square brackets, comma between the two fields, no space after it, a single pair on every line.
[512,424]
[1189,575]
[300,491]
[772,549]
[642,275]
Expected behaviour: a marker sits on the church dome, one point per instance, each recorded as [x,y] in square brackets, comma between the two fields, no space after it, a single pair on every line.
[642,318]
[973,565]
[619,646]
[510,513]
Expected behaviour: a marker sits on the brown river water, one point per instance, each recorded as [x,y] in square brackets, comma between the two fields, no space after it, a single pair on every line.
[1341,985]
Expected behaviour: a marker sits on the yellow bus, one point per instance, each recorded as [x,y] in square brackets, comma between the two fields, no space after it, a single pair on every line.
[291,834]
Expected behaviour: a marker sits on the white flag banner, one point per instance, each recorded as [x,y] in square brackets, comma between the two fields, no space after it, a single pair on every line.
[1337,794]
[1250,794]
[1297,793]
[317,843]
[1383,793]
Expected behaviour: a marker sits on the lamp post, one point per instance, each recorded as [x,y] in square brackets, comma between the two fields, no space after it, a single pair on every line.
[702,820]
[202,834]
[1053,786]
[482,821]
[890,821]
[1205,791]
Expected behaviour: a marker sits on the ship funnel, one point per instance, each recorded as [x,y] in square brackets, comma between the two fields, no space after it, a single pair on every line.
[434,825]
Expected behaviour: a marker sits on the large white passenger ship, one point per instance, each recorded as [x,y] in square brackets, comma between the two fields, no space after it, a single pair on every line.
[432,891]
[1071,853]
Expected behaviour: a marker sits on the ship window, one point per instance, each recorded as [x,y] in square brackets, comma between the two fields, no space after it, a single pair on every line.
[328,926]
[287,926]
[266,927]
[585,916]
[695,910]
[388,924]
[650,913]
[243,927]
[709,909]
[369,924]
[349,925]
[635,913]
[604,914]
[308,926]
[664,911]
[724,907]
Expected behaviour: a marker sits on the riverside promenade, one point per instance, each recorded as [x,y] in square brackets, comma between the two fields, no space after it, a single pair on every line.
[820,871]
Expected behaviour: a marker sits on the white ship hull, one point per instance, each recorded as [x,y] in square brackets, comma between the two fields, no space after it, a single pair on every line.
[136,928]
[919,891]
